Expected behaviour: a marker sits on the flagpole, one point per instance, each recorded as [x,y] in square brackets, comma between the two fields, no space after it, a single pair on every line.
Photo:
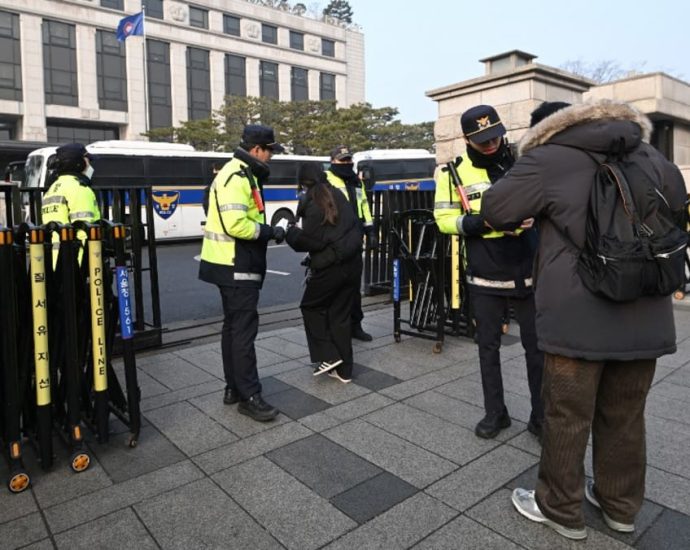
[146,81]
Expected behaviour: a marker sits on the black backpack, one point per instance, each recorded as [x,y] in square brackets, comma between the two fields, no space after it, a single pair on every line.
[632,248]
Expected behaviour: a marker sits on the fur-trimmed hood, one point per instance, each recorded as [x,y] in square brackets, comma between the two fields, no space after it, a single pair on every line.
[603,109]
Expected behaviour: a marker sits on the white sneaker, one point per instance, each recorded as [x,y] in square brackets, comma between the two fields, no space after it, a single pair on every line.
[325,366]
[334,374]
[524,503]
[612,523]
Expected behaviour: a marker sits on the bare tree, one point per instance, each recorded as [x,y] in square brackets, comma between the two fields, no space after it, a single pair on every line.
[601,71]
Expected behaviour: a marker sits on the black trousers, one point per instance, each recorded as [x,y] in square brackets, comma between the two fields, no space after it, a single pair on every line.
[488,311]
[240,327]
[326,310]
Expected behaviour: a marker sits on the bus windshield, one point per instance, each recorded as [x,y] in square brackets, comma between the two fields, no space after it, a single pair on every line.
[32,168]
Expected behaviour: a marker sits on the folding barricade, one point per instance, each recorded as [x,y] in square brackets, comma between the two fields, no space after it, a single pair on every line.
[59,322]
[427,270]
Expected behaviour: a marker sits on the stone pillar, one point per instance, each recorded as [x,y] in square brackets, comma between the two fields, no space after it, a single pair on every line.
[217,63]
[87,75]
[252,76]
[136,95]
[33,125]
[178,77]
[284,82]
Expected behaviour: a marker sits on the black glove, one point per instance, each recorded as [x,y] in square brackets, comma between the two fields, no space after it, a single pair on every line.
[306,261]
[278,234]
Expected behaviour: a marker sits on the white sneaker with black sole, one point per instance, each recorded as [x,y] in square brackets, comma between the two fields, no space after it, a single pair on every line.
[325,366]
[334,374]
[612,523]
[525,504]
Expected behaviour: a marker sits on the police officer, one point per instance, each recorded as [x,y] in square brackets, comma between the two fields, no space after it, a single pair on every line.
[341,175]
[233,256]
[498,264]
[70,198]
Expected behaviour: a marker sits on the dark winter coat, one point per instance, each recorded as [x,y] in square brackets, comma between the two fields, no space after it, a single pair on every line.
[327,244]
[551,181]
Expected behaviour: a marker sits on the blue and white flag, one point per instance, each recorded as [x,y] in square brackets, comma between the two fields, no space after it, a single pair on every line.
[132,25]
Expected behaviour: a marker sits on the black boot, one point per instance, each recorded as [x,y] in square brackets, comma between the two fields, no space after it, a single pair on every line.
[359,334]
[256,408]
[231,397]
[535,427]
[492,423]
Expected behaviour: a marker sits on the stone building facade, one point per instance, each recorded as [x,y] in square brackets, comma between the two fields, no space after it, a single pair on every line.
[515,85]
[64,76]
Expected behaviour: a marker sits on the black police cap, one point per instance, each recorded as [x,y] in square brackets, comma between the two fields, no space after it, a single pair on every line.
[481,123]
[257,134]
[341,152]
[72,151]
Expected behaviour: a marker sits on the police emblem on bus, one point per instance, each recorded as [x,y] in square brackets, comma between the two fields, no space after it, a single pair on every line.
[165,204]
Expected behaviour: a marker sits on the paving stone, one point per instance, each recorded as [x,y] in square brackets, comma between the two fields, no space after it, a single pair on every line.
[668,408]
[400,365]
[668,445]
[680,376]
[668,490]
[266,358]
[165,399]
[189,429]
[44,544]
[527,442]
[498,514]
[473,482]
[673,391]
[322,387]
[271,385]
[434,434]
[200,515]
[117,530]
[176,373]
[230,418]
[283,347]
[427,381]
[22,531]
[359,406]
[373,497]
[148,386]
[296,404]
[13,506]
[465,390]
[280,367]
[465,534]
[323,466]
[153,451]
[390,452]
[671,531]
[279,502]
[83,509]
[250,447]
[400,527]
[210,361]
[319,421]
[372,379]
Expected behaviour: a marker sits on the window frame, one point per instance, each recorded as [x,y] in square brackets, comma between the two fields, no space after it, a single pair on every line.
[269,38]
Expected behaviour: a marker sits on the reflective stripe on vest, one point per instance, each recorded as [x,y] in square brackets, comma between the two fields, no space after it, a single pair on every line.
[246,276]
[219,237]
[56,199]
[227,207]
[478,281]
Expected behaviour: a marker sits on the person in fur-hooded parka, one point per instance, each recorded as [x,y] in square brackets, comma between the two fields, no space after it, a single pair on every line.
[600,355]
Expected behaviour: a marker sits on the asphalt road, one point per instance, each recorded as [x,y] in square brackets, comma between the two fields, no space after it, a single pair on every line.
[184,297]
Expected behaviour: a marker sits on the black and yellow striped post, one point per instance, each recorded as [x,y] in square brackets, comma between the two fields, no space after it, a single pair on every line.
[37,262]
[72,374]
[18,479]
[98,339]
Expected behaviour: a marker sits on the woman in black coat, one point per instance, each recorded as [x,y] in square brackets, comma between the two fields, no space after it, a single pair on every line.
[332,236]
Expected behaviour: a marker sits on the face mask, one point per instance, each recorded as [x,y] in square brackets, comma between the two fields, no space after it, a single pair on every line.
[88,171]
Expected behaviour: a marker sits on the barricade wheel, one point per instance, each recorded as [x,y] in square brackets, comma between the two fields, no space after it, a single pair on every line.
[132,442]
[679,294]
[18,482]
[438,347]
[397,338]
[80,461]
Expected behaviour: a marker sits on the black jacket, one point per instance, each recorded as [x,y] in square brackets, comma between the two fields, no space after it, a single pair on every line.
[552,181]
[327,244]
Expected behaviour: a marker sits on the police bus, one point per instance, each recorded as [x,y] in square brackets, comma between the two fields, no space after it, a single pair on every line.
[396,169]
[178,176]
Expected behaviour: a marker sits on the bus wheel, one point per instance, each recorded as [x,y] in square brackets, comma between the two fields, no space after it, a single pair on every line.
[282,214]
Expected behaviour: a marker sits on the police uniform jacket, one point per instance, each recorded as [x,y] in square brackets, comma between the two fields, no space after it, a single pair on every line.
[496,262]
[233,251]
[327,244]
[552,181]
[359,196]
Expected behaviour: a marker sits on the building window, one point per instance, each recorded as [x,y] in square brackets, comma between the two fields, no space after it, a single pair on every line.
[198,84]
[111,71]
[198,17]
[299,84]
[296,40]
[59,132]
[7,129]
[326,86]
[154,8]
[327,47]
[114,4]
[269,34]
[158,68]
[10,57]
[235,75]
[231,25]
[60,63]
[268,79]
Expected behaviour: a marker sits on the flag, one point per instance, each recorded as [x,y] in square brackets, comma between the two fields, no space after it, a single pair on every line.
[132,25]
